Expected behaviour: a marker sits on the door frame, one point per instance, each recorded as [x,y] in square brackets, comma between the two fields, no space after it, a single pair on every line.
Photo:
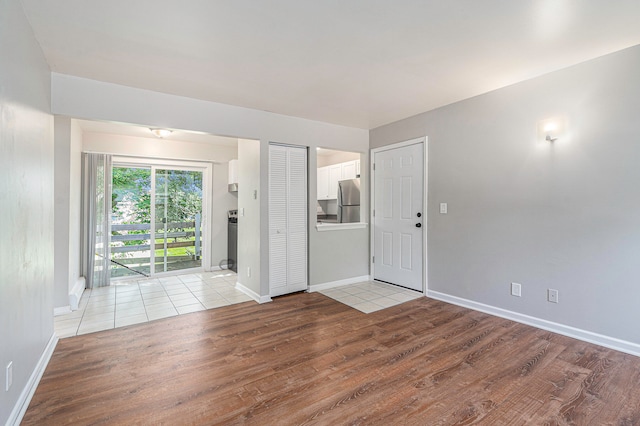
[424,140]
[207,175]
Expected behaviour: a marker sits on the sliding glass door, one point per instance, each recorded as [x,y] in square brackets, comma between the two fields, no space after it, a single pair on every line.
[130,221]
[157,221]
[178,219]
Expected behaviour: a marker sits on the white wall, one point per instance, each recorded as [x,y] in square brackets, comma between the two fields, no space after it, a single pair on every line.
[564,216]
[222,199]
[249,222]
[62,194]
[337,157]
[75,208]
[152,147]
[67,213]
[26,208]
[89,99]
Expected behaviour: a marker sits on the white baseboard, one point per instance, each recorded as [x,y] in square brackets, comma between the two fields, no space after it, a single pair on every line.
[62,310]
[76,293]
[565,330]
[27,393]
[252,294]
[339,283]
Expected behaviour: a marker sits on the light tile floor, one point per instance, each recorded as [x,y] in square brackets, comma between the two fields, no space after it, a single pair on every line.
[371,296]
[133,302]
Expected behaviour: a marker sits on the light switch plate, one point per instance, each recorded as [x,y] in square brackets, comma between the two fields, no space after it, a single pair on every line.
[516,289]
[443,208]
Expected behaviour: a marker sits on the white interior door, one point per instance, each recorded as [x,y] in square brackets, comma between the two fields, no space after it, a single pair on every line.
[398,215]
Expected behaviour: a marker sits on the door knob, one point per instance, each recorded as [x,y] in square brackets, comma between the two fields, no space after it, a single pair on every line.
[418,225]
[419,215]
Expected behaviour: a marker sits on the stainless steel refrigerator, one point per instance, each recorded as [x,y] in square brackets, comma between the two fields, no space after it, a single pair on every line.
[349,201]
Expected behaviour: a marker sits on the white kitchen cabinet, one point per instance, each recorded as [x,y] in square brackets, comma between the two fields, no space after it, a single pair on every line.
[349,170]
[323,183]
[329,176]
[287,219]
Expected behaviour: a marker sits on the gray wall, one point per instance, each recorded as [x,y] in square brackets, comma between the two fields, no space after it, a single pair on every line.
[26,203]
[563,215]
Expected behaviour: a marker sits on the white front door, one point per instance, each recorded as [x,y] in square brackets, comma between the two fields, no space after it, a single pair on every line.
[398,216]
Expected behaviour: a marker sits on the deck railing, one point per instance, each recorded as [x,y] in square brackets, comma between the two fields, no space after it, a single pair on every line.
[189,231]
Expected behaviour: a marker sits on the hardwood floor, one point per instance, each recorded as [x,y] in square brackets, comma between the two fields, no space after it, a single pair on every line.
[307,359]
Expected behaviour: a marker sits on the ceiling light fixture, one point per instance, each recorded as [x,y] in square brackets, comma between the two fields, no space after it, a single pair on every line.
[160,133]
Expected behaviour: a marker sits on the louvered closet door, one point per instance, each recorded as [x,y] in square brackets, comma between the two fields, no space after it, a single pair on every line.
[277,220]
[287,219]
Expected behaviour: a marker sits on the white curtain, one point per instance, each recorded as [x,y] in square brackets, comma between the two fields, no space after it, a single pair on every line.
[96,219]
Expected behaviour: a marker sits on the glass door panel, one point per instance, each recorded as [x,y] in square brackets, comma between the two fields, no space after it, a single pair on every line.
[178,213]
[130,221]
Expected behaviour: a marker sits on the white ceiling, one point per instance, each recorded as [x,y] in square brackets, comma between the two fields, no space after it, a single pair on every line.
[359,63]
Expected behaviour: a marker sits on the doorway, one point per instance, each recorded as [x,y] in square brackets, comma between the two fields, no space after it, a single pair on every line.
[158,218]
[399,214]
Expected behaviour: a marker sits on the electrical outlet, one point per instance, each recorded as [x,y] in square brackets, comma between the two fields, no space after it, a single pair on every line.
[248,271]
[516,289]
[552,295]
[9,376]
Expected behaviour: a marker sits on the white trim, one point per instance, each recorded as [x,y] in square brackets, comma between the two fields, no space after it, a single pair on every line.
[76,293]
[425,209]
[424,140]
[252,294]
[30,388]
[339,283]
[61,310]
[565,330]
[321,227]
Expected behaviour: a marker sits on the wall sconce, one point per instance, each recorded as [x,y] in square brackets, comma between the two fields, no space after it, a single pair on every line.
[550,130]
[160,133]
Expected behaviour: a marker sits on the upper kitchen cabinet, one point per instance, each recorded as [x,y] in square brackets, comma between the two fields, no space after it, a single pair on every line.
[323,183]
[349,169]
[334,166]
